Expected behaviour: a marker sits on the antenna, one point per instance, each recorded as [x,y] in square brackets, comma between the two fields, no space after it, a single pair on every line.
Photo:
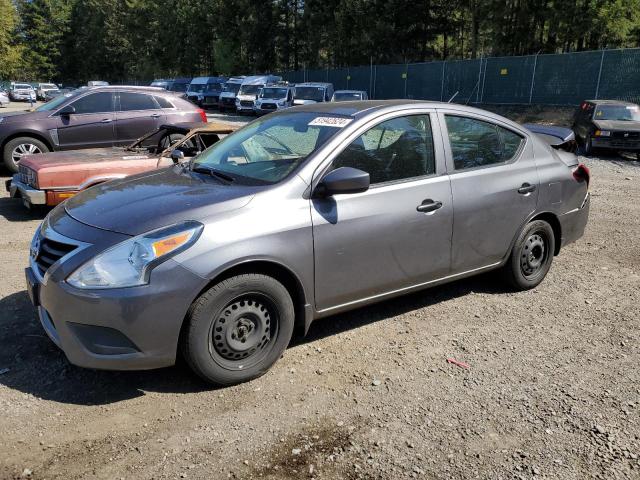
[454,96]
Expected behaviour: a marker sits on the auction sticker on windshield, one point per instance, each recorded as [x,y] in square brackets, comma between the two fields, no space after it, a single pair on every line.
[330,122]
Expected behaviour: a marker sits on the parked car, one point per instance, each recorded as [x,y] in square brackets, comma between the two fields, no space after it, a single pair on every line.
[227,99]
[51,94]
[249,90]
[179,84]
[50,178]
[4,99]
[162,83]
[302,214]
[212,91]
[312,92]
[272,98]
[97,83]
[91,117]
[197,87]
[608,124]
[43,88]
[21,92]
[349,95]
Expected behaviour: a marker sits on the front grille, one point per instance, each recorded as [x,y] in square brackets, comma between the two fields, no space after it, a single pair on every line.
[246,103]
[228,101]
[626,135]
[269,106]
[624,144]
[50,252]
[27,176]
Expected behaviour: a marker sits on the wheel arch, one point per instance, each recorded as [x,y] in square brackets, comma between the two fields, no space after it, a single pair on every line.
[27,134]
[552,220]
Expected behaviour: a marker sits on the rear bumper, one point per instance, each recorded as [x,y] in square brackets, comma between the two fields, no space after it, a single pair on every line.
[17,189]
[573,223]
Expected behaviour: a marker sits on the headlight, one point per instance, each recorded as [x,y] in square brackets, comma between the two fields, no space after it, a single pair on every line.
[129,263]
[603,133]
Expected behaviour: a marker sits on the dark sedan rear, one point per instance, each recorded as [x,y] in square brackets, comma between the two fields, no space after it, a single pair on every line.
[92,117]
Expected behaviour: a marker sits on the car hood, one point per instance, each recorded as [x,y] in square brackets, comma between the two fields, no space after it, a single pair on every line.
[144,202]
[618,125]
[12,117]
[74,157]
[299,101]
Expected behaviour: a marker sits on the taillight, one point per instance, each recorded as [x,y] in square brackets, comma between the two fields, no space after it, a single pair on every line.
[582,173]
[203,115]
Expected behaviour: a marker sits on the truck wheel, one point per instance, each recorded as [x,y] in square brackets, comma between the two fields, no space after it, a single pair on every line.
[18,147]
[237,329]
[531,256]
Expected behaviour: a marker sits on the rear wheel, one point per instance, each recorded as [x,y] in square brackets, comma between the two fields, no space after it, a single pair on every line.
[15,149]
[238,328]
[531,256]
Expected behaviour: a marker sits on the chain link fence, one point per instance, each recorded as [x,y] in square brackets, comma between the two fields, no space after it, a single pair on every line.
[548,79]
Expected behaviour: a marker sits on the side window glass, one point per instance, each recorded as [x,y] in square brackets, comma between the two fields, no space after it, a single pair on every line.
[397,149]
[474,143]
[94,103]
[136,101]
[163,102]
[511,143]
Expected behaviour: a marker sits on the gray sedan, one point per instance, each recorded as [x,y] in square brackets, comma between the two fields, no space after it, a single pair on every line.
[299,215]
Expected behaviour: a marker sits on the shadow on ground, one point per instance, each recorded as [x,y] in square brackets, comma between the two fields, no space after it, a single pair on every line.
[37,367]
[13,210]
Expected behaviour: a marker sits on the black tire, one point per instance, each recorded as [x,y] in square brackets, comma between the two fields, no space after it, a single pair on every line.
[21,146]
[587,146]
[238,329]
[531,256]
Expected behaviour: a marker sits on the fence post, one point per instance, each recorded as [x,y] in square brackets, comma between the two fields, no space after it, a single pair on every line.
[599,75]
[533,78]
[484,79]
[479,78]
[442,83]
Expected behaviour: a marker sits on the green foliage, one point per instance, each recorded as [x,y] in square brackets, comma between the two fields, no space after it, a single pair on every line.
[129,40]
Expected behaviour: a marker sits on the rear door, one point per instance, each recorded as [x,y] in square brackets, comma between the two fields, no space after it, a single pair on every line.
[494,183]
[136,114]
[92,124]
[398,233]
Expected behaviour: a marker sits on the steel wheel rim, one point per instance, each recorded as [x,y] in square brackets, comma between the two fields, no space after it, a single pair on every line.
[534,254]
[243,332]
[24,149]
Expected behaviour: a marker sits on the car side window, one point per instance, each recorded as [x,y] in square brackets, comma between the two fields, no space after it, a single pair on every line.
[94,103]
[476,143]
[136,101]
[163,102]
[397,149]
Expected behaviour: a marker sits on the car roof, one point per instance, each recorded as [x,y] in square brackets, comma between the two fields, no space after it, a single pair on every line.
[359,107]
[142,88]
[313,84]
[349,91]
[612,102]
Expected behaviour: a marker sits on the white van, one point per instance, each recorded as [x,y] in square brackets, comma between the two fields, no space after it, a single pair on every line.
[250,89]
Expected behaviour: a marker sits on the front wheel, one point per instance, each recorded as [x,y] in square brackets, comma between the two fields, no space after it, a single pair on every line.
[531,256]
[17,148]
[238,329]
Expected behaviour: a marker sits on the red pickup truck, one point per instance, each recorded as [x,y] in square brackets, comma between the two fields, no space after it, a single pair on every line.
[50,178]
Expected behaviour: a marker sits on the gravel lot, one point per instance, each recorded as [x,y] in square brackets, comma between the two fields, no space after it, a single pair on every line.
[553,388]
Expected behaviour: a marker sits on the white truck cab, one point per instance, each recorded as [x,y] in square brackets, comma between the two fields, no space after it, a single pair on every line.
[250,89]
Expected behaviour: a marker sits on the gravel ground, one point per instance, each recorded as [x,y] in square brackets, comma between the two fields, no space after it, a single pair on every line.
[552,389]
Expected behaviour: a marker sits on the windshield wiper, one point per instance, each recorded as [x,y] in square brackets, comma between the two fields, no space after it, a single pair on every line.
[214,173]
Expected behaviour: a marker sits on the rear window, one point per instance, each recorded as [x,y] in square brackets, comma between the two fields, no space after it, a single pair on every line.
[136,101]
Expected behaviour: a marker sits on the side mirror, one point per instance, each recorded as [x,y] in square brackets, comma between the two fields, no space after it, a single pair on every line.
[343,180]
[67,110]
[177,156]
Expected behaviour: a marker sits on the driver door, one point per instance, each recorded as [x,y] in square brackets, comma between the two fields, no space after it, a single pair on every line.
[378,241]
[92,124]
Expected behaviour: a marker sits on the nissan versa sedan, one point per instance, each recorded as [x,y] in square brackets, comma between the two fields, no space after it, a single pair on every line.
[299,215]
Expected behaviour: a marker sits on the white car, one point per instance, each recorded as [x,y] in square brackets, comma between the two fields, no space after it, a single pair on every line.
[22,91]
[4,99]
[43,88]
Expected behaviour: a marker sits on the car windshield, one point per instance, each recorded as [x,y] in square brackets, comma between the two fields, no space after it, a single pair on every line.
[179,87]
[56,102]
[22,86]
[197,87]
[49,86]
[267,150]
[249,89]
[310,93]
[231,87]
[617,112]
[213,87]
[346,96]
[273,93]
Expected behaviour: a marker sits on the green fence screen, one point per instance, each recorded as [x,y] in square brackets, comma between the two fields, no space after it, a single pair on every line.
[550,79]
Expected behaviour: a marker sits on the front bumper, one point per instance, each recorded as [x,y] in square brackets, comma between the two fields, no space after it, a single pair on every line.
[612,143]
[17,189]
[21,96]
[132,328]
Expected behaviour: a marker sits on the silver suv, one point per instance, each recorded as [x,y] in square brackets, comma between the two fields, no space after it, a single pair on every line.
[301,214]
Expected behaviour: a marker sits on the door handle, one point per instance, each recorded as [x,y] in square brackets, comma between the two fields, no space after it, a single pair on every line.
[106,120]
[526,188]
[155,115]
[429,206]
